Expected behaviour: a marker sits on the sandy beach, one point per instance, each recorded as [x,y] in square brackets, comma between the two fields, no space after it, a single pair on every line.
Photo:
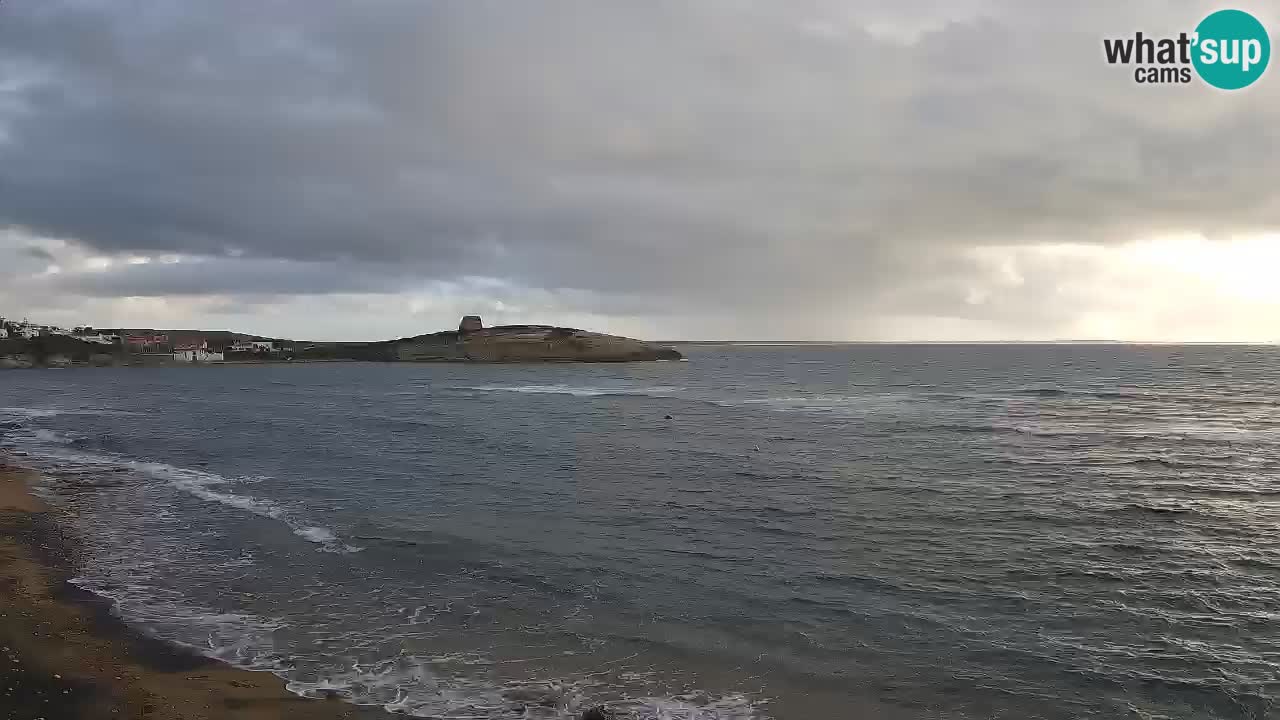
[63,655]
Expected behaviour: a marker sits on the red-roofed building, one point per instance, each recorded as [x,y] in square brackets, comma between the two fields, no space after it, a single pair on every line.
[147,343]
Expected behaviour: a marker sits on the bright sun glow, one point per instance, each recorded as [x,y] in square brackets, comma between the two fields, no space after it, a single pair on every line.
[1184,287]
[1241,267]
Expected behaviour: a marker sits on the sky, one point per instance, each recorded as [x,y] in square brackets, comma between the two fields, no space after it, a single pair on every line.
[882,170]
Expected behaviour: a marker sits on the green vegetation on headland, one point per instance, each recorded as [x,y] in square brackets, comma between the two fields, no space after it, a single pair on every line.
[471,342]
[500,344]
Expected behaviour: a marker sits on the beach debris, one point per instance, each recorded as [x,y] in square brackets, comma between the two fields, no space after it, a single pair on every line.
[599,712]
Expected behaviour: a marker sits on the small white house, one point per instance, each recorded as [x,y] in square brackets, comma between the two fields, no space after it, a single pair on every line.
[196,353]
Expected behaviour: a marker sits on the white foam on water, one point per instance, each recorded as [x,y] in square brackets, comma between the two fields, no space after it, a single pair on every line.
[316,534]
[201,484]
[406,684]
[27,413]
[415,686]
[52,436]
[865,405]
[420,687]
[239,639]
[589,391]
[727,707]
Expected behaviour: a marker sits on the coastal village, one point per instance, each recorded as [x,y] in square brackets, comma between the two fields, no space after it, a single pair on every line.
[60,346]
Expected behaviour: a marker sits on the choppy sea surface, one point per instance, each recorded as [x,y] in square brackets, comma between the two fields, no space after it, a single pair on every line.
[854,531]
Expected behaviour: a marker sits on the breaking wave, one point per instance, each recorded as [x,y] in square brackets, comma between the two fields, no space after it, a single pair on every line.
[51,445]
[204,485]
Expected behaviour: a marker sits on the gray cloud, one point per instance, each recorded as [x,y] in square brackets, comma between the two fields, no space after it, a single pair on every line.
[231,276]
[38,253]
[734,156]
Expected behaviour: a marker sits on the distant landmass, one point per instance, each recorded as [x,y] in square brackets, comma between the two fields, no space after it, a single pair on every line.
[525,343]
[471,342]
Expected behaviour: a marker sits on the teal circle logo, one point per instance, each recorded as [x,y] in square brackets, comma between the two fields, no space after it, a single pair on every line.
[1231,49]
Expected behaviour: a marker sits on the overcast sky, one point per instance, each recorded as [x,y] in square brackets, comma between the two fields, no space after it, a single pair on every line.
[721,169]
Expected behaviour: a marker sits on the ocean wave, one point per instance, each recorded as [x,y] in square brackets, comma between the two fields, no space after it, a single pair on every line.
[316,534]
[1051,391]
[240,639]
[988,428]
[1041,391]
[53,436]
[584,391]
[27,413]
[1155,509]
[404,684]
[857,405]
[429,686]
[1142,396]
[201,484]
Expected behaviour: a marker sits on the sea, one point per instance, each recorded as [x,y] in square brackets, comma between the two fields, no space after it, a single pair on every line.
[784,532]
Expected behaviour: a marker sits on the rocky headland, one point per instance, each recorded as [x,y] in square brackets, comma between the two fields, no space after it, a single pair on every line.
[473,342]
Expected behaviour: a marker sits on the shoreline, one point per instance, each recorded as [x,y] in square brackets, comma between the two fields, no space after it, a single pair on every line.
[64,655]
[312,361]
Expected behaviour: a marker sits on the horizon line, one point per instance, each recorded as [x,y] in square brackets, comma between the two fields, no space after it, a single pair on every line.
[1265,343]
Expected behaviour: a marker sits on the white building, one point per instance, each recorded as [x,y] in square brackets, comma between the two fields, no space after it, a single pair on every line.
[252,346]
[193,353]
[3,333]
[196,355]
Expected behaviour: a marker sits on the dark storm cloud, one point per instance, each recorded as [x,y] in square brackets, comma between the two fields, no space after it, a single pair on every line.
[768,155]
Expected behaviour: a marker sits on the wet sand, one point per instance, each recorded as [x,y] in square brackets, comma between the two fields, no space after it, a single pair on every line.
[64,656]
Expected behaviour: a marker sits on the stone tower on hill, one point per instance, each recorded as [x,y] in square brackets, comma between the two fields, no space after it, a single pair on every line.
[470,323]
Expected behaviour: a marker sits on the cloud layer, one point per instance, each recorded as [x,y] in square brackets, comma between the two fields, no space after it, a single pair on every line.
[729,168]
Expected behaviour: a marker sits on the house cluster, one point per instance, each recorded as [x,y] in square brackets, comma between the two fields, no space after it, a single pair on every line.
[195,348]
[27,330]
[184,347]
[88,334]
